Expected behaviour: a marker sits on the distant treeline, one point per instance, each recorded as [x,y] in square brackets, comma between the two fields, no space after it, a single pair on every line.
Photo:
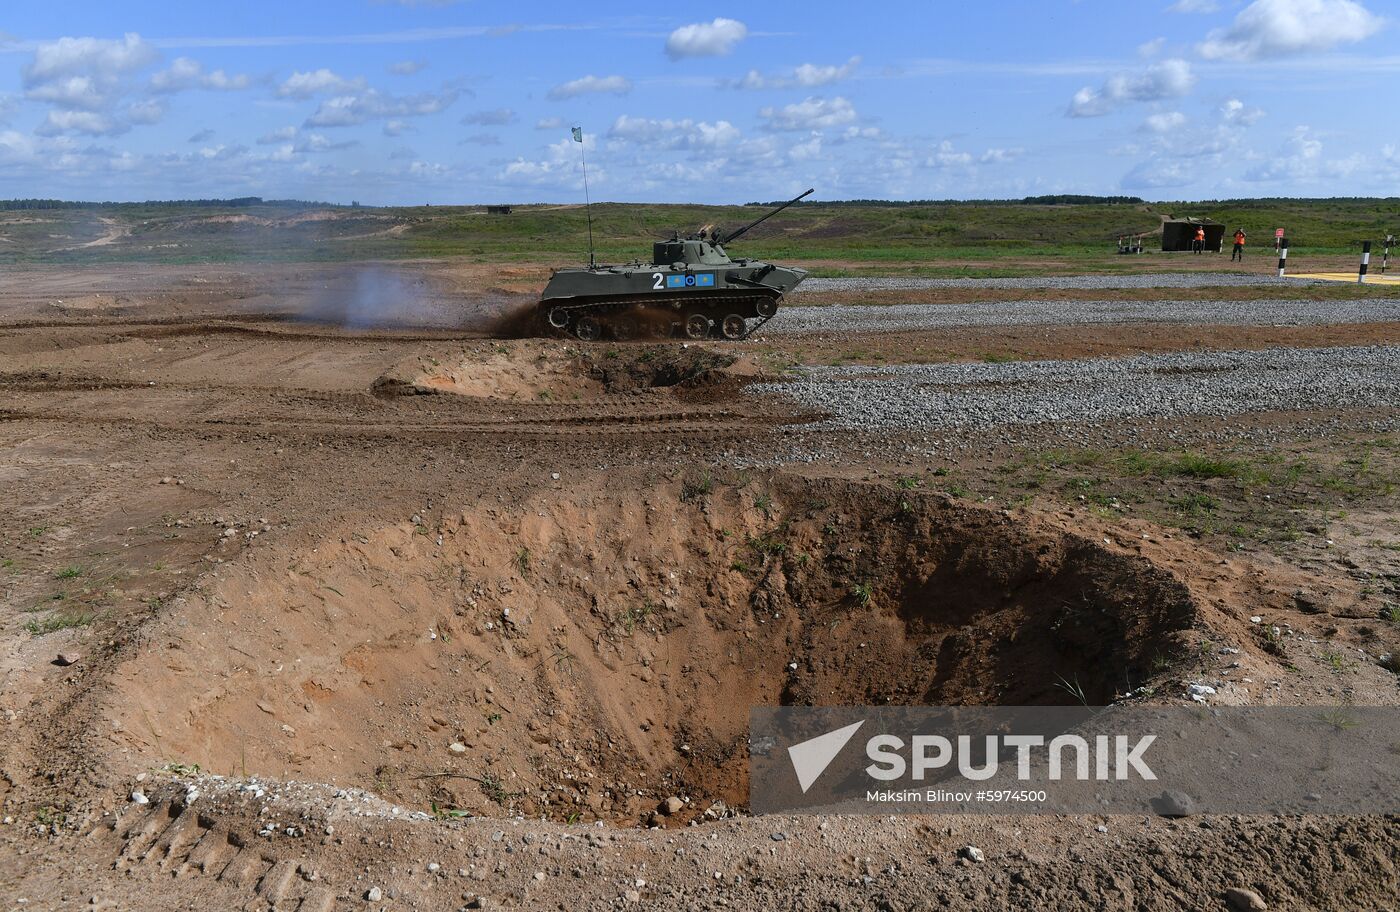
[1272,201]
[1059,199]
[237,203]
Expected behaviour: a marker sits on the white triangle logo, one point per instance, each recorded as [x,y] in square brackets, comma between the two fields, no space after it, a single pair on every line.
[811,758]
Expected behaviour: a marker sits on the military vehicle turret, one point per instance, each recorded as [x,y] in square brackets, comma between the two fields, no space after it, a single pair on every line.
[691,287]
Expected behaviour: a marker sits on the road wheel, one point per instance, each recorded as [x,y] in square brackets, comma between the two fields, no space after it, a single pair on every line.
[558,317]
[733,327]
[766,307]
[588,329]
[625,328]
[697,326]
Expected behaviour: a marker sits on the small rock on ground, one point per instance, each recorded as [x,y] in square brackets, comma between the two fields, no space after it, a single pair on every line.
[1244,900]
[1174,803]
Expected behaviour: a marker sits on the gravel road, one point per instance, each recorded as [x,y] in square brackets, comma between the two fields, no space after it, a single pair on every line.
[1215,384]
[893,317]
[1089,282]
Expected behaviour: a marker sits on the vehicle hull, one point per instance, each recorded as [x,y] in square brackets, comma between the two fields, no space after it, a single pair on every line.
[665,300]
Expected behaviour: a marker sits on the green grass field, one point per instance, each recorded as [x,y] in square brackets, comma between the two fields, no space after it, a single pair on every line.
[932,239]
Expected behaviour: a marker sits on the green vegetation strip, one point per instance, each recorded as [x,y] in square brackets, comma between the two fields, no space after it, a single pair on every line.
[941,238]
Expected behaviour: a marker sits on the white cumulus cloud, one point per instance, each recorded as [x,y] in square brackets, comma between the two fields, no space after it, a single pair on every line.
[559,166]
[1165,122]
[1167,79]
[1278,28]
[945,155]
[810,114]
[810,75]
[1236,112]
[706,39]
[91,123]
[317,82]
[95,57]
[145,112]
[319,142]
[806,76]
[674,134]
[1149,49]
[186,73]
[371,104]
[85,73]
[591,85]
[997,156]
[856,134]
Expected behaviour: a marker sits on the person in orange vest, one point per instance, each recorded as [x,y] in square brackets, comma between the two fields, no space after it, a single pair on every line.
[1239,246]
[1200,245]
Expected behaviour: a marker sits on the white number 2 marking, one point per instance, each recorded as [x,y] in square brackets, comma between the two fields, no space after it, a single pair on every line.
[657,284]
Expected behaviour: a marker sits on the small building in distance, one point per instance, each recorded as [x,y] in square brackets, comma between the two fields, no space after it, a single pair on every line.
[501,210]
[1178,234]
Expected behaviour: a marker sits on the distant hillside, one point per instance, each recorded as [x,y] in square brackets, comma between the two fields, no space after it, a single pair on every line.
[878,235]
[1064,199]
[236,203]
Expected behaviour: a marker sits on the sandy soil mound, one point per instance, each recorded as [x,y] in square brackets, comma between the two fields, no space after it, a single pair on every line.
[591,653]
[536,370]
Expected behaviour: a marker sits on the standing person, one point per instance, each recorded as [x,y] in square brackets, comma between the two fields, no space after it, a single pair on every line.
[1200,244]
[1238,252]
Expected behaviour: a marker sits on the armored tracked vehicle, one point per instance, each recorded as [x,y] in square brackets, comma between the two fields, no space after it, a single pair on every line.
[691,287]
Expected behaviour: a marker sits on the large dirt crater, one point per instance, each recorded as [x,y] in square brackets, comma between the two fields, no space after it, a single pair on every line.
[584,652]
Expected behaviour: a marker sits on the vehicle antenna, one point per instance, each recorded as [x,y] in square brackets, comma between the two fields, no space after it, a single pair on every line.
[587,203]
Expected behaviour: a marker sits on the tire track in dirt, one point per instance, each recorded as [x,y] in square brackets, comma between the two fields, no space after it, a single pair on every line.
[723,425]
[290,329]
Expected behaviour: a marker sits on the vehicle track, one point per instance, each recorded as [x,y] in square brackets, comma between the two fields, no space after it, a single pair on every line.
[171,839]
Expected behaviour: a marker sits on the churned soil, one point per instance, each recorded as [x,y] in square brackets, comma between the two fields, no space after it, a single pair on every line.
[306,610]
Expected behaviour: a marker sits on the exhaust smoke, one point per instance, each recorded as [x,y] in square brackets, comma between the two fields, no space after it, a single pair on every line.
[380,297]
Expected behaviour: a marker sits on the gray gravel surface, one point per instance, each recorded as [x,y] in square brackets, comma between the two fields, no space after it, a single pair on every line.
[1179,384]
[1139,280]
[795,320]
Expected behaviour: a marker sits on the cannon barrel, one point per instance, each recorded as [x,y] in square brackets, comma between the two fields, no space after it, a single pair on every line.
[767,215]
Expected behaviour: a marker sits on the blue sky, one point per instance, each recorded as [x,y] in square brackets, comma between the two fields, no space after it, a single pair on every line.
[466,102]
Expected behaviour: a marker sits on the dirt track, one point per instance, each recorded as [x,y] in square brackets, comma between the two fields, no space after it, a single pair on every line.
[299,550]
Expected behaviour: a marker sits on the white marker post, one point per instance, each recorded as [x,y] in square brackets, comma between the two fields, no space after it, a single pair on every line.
[1282,255]
[1365,260]
[1385,257]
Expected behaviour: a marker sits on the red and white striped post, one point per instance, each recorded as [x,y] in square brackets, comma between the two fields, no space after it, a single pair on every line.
[1365,260]
[1282,255]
